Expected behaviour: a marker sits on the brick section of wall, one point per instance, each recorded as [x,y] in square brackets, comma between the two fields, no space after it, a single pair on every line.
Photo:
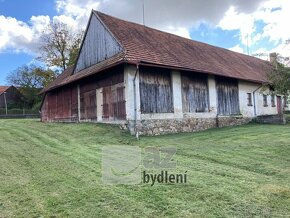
[167,126]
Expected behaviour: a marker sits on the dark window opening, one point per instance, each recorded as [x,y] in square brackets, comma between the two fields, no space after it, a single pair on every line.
[265,100]
[285,101]
[273,101]
[250,103]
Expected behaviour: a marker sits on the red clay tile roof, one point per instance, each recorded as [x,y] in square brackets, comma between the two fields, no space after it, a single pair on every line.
[144,44]
[67,77]
[3,89]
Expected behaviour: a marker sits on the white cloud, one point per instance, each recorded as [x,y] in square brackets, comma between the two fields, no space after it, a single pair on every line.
[233,20]
[17,34]
[237,48]
[274,14]
[180,31]
[173,16]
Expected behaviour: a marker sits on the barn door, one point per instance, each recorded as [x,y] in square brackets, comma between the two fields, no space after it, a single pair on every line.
[227,96]
[114,102]
[89,105]
[279,104]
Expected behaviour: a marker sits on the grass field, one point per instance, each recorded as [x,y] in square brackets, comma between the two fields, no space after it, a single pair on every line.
[54,170]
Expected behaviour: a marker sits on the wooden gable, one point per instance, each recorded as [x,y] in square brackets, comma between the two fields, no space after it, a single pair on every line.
[98,45]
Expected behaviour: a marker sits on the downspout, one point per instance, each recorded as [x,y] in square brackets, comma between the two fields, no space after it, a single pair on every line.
[254,99]
[135,103]
[79,104]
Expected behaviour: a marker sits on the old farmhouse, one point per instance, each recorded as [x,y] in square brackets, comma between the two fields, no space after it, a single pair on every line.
[153,82]
[10,97]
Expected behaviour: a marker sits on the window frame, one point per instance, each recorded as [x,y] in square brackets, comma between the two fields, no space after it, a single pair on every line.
[285,102]
[273,102]
[250,99]
[265,100]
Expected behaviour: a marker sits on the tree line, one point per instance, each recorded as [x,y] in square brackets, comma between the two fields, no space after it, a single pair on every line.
[58,49]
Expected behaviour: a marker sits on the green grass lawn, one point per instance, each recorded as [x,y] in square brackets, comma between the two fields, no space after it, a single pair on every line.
[54,170]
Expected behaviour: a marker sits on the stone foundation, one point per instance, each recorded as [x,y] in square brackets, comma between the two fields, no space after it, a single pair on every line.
[232,121]
[272,119]
[167,126]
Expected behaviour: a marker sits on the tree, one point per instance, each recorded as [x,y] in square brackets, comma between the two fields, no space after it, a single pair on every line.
[30,79]
[279,78]
[59,45]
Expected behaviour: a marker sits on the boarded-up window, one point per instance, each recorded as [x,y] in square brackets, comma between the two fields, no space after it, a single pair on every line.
[88,105]
[195,96]
[228,96]
[155,91]
[114,107]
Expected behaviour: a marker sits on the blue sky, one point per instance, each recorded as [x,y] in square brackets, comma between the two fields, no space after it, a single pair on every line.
[257,26]
[23,10]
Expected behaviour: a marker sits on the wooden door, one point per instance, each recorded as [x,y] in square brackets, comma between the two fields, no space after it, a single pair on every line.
[89,105]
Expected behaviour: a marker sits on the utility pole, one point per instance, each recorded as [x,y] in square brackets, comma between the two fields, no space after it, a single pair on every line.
[248,44]
[143,8]
[5,103]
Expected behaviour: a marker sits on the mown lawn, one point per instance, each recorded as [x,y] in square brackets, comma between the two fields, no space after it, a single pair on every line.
[54,170]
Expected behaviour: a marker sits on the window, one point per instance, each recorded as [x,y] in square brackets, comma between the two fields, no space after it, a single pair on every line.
[250,99]
[273,101]
[265,100]
[285,102]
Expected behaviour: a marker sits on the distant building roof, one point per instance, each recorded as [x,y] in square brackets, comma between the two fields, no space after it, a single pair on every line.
[4,89]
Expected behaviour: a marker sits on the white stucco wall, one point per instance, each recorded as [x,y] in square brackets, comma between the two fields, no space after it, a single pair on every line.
[248,111]
[129,74]
[99,94]
[244,88]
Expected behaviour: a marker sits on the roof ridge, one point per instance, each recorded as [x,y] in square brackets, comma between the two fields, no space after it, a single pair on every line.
[180,37]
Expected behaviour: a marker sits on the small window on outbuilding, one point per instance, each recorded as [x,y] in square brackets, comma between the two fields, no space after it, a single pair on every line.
[273,101]
[265,100]
[249,99]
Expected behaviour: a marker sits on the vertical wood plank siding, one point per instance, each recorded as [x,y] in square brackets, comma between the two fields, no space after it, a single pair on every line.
[228,96]
[88,105]
[113,106]
[155,90]
[98,45]
[195,96]
[62,104]
[114,102]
